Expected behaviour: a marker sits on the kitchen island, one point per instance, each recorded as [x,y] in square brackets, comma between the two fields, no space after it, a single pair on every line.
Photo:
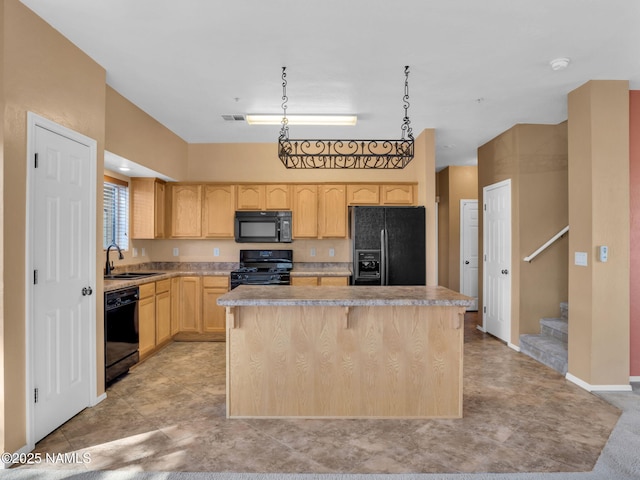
[350,352]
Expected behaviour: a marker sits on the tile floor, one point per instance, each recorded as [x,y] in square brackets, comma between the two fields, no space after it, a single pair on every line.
[168,414]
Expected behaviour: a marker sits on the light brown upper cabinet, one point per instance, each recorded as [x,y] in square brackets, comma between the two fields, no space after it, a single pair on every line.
[218,211]
[362,194]
[305,211]
[401,194]
[332,214]
[250,197]
[186,211]
[278,197]
[147,208]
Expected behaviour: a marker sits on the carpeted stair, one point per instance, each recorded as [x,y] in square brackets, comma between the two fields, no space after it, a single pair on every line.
[550,345]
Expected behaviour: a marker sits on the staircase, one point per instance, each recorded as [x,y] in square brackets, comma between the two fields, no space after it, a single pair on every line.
[550,345]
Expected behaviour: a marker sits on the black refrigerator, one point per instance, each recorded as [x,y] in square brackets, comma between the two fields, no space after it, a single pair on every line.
[388,245]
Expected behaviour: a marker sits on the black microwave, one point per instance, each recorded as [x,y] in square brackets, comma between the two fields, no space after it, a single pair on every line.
[266,227]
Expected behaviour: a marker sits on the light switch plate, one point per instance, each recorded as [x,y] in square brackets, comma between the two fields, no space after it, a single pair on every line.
[135,252]
[216,252]
[143,252]
[312,252]
[176,251]
[580,259]
[332,252]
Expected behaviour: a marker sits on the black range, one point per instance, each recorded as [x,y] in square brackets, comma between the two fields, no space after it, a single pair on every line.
[263,267]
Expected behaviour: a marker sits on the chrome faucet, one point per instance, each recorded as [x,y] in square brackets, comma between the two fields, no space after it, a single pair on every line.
[109,267]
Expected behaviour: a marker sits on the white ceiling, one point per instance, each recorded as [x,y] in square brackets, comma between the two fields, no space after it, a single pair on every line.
[477,67]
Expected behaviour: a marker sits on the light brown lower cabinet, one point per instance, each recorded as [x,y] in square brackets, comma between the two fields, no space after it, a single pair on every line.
[319,281]
[163,312]
[147,319]
[200,317]
[190,309]
[213,315]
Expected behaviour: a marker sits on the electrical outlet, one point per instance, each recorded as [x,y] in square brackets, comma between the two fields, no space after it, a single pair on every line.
[176,251]
[143,252]
[216,252]
[312,252]
[332,252]
[135,252]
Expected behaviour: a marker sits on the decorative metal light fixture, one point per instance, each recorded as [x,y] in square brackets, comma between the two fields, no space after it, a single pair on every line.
[346,153]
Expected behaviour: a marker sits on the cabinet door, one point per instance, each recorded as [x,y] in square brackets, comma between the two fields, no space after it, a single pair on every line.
[305,211]
[363,194]
[191,304]
[278,197]
[160,210]
[334,281]
[213,315]
[332,218]
[163,317]
[397,194]
[186,211]
[250,197]
[147,325]
[304,281]
[218,211]
[142,197]
[176,305]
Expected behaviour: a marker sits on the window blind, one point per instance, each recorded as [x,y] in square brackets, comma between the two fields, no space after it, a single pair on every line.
[116,213]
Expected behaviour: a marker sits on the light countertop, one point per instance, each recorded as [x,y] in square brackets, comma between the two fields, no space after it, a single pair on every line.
[348,296]
[174,269]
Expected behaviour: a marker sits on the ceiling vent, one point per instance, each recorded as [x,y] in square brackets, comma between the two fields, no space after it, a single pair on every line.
[233,118]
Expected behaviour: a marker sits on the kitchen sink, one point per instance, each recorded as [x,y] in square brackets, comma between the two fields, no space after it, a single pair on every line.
[129,275]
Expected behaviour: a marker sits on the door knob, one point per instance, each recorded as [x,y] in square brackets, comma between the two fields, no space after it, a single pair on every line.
[505,271]
[466,262]
[86,291]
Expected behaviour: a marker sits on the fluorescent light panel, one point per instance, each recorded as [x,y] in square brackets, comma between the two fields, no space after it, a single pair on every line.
[259,119]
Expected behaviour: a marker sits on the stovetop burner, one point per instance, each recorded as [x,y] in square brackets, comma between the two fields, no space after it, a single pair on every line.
[263,267]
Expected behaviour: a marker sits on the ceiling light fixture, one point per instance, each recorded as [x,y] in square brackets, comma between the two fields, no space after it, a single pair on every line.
[334,120]
[559,63]
[345,153]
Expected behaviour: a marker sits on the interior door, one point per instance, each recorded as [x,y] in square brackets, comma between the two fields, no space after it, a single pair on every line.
[497,260]
[469,250]
[62,247]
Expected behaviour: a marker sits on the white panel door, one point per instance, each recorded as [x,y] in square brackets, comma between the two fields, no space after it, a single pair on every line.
[497,260]
[61,251]
[469,250]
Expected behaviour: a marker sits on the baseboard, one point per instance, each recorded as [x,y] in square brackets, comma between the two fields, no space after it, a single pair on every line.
[481,328]
[634,379]
[23,451]
[96,400]
[513,347]
[597,388]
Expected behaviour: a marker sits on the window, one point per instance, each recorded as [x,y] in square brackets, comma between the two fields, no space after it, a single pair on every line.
[116,213]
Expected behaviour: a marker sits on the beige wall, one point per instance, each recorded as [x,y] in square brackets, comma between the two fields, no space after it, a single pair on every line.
[46,74]
[133,134]
[455,184]
[3,363]
[534,157]
[599,215]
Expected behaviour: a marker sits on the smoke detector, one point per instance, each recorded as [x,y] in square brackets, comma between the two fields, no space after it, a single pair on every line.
[559,63]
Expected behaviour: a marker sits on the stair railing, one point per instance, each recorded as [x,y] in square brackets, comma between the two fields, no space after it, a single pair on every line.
[547,244]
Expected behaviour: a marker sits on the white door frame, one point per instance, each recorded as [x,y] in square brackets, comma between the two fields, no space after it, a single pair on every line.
[493,186]
[34,121]
[463,202]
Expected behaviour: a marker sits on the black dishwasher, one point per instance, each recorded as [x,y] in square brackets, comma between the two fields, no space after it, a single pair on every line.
[120,332]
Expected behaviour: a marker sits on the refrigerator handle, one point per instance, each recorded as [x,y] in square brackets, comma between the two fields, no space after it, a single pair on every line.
[383,258]
[386,257]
